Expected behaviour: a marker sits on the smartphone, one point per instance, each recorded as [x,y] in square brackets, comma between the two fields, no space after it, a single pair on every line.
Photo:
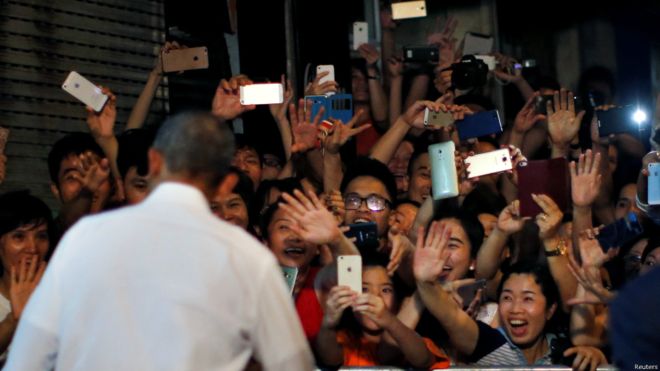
[185,59]
[290,275]
[317,101]
[326,68]
[620,232]
[474,43]
[349,272]
[4,136]
[360,34]
[541,103]
[444,180]
[549,177]
[479,124]
[365,234]
[469,291]
[488,163]
[424,54]
[269,93]
[437,119]
[490,61]
[654,184]
[408,9]
[85,91]
[618,120]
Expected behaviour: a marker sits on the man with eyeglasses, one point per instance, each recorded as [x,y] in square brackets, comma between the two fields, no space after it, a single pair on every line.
[369,189]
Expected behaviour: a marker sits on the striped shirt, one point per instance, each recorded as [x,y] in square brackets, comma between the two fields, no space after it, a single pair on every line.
[494,348]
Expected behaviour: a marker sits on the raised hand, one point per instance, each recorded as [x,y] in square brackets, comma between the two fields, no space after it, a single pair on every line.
[226,103]
[317,88]
[341,133]
[586,357]
[101,125]
[430,252]
[549,220]
[334,202]
[374,308]
[25,277]
[386,20]
[278,110]
[369,53]
[527,117]
[401,247]
[314,223]
[395,67]
[339,298]
[445,41]
[585,179]
[509,220]
[158,64]
[465,184]
[93,172]
[305,131]
[504,70]
[563,123]
[516,158]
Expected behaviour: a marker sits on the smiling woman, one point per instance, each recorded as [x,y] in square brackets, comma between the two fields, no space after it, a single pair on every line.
[25,223]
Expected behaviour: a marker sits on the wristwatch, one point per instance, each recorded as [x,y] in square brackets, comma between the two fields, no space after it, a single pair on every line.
[559,250]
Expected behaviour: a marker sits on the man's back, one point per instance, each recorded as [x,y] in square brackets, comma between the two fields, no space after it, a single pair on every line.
[163,285]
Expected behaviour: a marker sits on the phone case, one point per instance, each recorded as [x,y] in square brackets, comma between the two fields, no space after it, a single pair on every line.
[469,291]
[318,101]
[270,93]
[326,68]
[290,275]
[349,272]
[654,184]
[408,9]
[363,233]
[617,120]
[479,124]
[443,170]
[488,163]
[437,119]
[421,54]
[549,177]
[360,34]
[185,59]
[340,107]
[474,43]
[620,232]
[83,90]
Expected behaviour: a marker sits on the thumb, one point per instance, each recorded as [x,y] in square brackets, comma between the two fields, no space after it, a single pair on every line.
[578,118]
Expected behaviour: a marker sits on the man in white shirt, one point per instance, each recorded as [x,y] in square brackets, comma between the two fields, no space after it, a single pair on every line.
[164,285]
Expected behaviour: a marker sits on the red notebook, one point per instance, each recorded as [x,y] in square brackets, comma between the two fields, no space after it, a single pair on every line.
[549,177]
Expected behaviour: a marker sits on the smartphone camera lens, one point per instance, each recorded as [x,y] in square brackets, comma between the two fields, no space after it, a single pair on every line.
[76,85]
[503,159]
[195,58]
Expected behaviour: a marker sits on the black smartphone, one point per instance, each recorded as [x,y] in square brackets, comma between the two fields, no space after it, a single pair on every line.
[469,291]
[540,104]
[620,232]
[479,124]
[365,234]
[421,54]
[618,120]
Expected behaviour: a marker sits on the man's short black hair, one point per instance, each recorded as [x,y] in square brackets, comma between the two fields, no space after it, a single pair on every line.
[133,150]
[365,166]
[73,143]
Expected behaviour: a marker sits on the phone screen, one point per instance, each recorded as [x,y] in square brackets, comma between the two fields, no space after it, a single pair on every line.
[620,232]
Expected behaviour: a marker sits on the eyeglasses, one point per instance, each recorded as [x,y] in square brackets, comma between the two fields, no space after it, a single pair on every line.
[353,201]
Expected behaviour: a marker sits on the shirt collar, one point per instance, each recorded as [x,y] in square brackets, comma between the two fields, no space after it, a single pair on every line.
[545,360]
[180,194]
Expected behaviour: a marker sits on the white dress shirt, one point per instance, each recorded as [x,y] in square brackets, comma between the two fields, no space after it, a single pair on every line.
[164,285]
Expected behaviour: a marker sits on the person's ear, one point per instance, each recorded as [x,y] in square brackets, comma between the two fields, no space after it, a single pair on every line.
[156,163]
[227,184]
[55,190]
[550,311]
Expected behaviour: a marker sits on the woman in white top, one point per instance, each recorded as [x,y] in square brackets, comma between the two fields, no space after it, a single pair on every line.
[24,244]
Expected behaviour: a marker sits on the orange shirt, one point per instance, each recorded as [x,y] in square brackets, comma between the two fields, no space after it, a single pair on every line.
[364,353]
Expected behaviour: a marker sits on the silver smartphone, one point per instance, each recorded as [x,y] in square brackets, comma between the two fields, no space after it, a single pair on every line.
[349,272]
[270,93]
[408,9]
[437,119]
[360,34]
[85,91]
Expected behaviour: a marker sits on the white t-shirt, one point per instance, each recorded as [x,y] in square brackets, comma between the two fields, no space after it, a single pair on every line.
[164,285]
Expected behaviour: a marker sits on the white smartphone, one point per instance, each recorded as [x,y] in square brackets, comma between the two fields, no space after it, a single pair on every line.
[408,9]
[444,180]
[269,93]
[349,272]
[490,61]
[437,119]
[654,184]
[474,43]
[488,163]
[85,91]
[330,69]
[360,34]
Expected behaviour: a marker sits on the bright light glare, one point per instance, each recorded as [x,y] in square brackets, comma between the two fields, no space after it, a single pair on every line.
[639,116]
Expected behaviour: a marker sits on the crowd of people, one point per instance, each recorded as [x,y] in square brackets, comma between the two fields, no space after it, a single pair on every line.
[189,291]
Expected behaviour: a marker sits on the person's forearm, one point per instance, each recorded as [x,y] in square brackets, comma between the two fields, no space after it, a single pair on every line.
[79,206]
[343,246]
[327,349]
[559,150]
[386,146]
[332,172]
[535,138]
[110,147]
[418,89]
[408,342]
[566,282]
[388,46]
[583,329]
[141,108]
[285,133]
[490,254]
[524,88]
[508,189]
[582,219]
[7,329]
[396,87]
[516,138]
[411,310]
[377,98]
[315,160]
